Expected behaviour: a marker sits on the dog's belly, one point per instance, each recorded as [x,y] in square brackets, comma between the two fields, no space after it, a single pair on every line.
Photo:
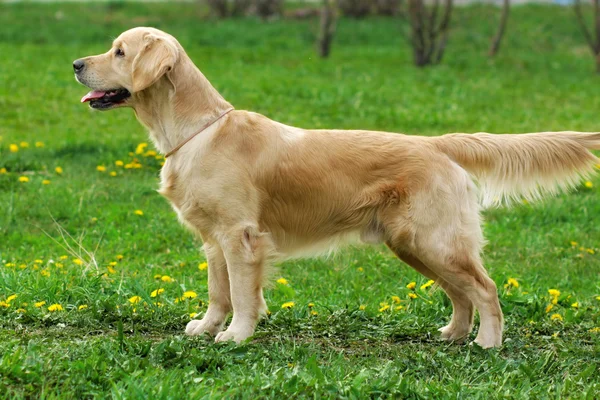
[294,247]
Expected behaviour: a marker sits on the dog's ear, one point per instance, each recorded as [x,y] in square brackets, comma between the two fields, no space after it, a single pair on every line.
[157,57]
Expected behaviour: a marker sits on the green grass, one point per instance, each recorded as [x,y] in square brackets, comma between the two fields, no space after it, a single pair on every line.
[542,80]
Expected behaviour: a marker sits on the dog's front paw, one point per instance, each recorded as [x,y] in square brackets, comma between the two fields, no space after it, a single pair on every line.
[235,335]
[198,327]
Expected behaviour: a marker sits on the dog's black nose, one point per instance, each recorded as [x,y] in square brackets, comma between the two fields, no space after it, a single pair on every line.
[78,65]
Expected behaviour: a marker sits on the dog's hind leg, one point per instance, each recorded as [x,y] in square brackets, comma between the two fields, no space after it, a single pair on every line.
[440,227]
[219,295]
[246,250]
[461,323]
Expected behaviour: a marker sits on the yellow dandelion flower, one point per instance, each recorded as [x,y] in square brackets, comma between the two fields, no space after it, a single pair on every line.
[513,282]
[23,179]
[13,148]
[45,272]
[591,251]
[24,145]
[202,266]
[283,281]
[119,163]
[553,292]
[140,148]
[138,212]
[63,257]
[111,270]
[45,182]
[113,173]
[55,307]
[311,305]
[4,304]
[11,298]
[427,284]
[158,304]
[574,244]
[598,298]
[313,312]
[384,307]
[40,304]
[398,308]
[135,299]
[549,307]
[166,278]
[192,315]
[288,305]
[23,266]
[157,292]
[38,261]
[150,153]
[59,265]
[3,171]
[589,184]
[101,168]
[9,265]
[556,317]
[360,269]
[21,310]
[362,307]
[58,170]
[412,295]
[595,330]
[575,305]
[189,295]
[411,285]
[119,257]
[78,261]
[39,144]
[82,307]
[157,276]
[112,263]
[396,299]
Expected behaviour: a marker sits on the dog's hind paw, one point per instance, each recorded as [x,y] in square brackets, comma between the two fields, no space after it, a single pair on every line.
[198,327]
[229,334]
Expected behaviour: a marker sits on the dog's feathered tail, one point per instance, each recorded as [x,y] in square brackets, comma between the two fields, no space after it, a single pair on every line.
[526,166]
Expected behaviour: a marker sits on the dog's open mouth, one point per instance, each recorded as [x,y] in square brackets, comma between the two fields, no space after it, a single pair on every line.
[101,100]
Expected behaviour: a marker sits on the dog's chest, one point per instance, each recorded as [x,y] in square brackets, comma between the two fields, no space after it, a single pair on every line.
[184,195]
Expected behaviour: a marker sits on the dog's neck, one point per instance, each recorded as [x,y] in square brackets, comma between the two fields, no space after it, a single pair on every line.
[178,105]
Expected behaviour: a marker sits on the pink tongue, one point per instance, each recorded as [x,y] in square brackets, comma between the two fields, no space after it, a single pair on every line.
[94,94]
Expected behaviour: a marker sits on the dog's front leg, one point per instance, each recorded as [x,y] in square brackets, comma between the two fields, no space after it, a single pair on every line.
[218,294]
[246,251]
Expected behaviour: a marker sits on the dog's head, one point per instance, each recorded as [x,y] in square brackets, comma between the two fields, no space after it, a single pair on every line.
[137,59]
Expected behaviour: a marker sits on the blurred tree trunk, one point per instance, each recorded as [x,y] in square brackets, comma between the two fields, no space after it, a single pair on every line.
[229,8]
[327,27]
[387,7]
[355,8]
[218,8]
[593,41]
[497,39]
[268,8]
[428,36]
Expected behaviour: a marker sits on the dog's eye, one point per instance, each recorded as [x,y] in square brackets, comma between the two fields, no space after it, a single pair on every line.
[119,53]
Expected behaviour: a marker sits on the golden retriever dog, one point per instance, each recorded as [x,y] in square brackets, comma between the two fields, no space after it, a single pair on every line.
[256,190]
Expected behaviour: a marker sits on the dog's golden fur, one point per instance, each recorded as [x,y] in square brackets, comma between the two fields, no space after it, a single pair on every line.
[256,190]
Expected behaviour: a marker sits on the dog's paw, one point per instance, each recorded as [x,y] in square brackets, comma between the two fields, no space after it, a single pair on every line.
[488,342]
[198,327]
[234,335]
[452,333]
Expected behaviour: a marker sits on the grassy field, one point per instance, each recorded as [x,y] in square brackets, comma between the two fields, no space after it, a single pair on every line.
[76,183]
